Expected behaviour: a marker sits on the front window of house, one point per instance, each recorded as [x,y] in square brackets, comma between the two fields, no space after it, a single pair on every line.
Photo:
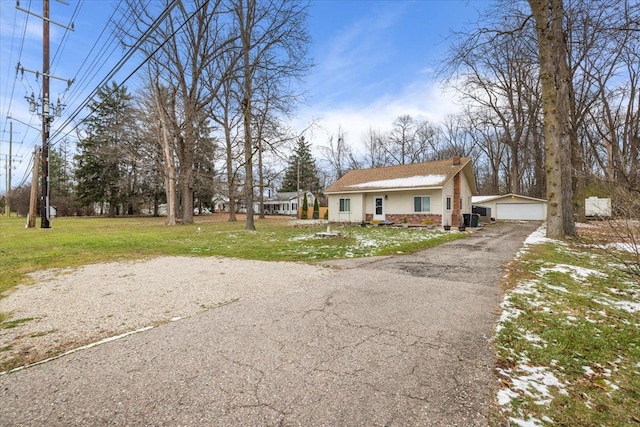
[345,205]
[422,204]
[448,203]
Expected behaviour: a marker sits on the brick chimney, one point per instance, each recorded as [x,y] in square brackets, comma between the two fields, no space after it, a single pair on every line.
[456,161]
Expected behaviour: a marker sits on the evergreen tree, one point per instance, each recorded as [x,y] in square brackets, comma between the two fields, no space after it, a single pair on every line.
[316,209]
[309,180]
[102,168]
[305,206]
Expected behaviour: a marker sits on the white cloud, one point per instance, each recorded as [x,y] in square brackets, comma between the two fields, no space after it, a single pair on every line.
[424,99]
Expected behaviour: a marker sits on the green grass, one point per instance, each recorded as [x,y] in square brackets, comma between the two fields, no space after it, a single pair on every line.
[10,324]
[571,320]
[72,242]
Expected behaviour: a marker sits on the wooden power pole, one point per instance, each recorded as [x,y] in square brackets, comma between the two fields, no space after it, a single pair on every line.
[46,123]
[34,189]
[46,106]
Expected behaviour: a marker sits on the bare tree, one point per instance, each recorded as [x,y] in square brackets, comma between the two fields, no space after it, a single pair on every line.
[166,141]
[273,44]
[375,155]
[339,155]
[498,74]
[180,47]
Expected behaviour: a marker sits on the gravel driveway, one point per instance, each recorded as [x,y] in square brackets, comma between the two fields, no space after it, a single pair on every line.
[386,341]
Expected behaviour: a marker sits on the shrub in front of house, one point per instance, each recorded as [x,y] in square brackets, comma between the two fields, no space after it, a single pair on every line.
[316,209]
[305,207]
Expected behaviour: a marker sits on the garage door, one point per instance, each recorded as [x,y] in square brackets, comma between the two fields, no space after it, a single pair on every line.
[520,211]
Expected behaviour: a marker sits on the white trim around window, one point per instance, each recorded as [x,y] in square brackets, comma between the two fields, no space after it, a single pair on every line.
[345,204]
[422,204]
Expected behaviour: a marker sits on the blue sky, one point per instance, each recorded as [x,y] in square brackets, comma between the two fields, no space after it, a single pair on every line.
[374,61]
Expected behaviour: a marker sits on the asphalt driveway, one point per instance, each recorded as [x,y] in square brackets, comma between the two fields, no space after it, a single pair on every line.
[392,341]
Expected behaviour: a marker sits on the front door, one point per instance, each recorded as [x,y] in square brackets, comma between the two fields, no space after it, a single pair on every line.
[378,209]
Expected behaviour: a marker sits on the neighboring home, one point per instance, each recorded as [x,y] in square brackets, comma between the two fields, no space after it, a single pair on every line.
[439,191]
[286,203]
[220,203]
[513,207]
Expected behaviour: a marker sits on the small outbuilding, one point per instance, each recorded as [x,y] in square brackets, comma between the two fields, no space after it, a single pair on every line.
[513,207]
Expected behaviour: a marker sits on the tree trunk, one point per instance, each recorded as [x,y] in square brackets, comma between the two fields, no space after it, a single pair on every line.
[170,170]
[246,28]
[555,80]
[231,182]
[260,181]
[186,176]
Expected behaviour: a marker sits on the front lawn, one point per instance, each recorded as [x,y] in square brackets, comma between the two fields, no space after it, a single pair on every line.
[78,241]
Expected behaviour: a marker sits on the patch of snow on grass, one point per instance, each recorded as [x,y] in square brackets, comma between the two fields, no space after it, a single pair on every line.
[367,242]
[529,422]
[631,307]
[534,381]
[533,338]
[577,273]
[509,313]
[628,306]
[505,395]
[557,288]
[626,247]
[611,385]
[538,236]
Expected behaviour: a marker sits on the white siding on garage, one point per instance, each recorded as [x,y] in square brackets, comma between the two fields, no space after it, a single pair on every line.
[520,211]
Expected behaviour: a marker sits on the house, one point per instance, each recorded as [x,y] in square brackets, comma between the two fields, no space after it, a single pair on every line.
[286,203]
[439,191]
[220,203]
[513,207]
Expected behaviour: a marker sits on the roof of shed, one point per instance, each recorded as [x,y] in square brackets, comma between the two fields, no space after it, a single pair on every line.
[486,199]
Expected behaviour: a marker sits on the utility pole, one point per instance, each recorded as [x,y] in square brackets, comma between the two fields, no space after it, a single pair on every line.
[34,189]
[46,125]
[46,117]
[7,206]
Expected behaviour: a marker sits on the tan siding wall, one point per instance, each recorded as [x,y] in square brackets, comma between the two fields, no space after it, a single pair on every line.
[355,215]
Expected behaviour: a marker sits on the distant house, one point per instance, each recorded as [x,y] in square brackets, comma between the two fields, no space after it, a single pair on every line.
[220,203]
[286,203]
[513,207]
[439,191]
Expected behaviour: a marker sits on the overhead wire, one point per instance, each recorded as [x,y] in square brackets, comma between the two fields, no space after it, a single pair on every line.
[82,77]
[24,31]
[65,36]
[27,170]
[121,63]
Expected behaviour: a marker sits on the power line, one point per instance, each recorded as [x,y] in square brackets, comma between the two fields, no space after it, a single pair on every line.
[24,31]
[98,60]
[65,37]
[122,61]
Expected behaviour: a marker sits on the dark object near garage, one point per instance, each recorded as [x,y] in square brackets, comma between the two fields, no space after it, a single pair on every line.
[471,220]
[481,210]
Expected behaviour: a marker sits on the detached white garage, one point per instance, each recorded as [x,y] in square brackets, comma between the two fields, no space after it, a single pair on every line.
[513,207]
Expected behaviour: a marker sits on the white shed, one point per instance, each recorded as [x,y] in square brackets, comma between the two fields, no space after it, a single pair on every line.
[596,207]
[513,207]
